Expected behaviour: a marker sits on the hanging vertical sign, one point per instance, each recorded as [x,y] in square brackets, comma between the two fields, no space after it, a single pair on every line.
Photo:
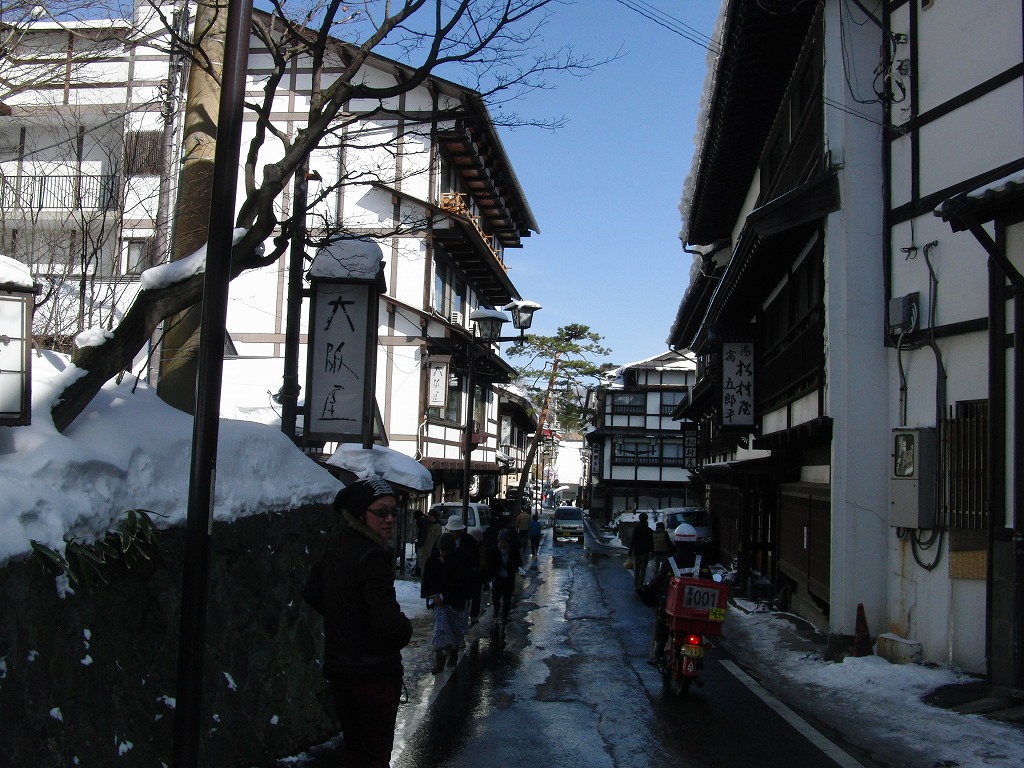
[341,356]
[690,448]
[737,384]
[438,395]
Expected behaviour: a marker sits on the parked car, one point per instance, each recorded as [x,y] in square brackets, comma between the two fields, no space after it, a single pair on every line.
[568,524]
[477,519]
[698,517]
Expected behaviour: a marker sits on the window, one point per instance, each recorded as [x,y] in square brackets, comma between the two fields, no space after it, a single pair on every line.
[449,290]
[640,451]
[452,412]
[134,259]
[669,401]
[673,453]
[629,402]
[144,153]
[965,465]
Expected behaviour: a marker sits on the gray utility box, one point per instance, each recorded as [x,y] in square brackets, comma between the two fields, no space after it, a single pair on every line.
[912,478]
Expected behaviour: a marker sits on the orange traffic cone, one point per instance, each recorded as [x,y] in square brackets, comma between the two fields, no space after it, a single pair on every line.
[862,638]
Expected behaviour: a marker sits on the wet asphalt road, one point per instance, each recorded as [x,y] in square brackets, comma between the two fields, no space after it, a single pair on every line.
[567,684]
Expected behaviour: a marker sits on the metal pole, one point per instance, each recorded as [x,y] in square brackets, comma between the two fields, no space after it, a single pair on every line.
[199,522]
[468,449]
[293,312]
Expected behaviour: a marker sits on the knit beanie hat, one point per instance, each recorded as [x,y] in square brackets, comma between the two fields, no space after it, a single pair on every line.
[446,544]
[357,496]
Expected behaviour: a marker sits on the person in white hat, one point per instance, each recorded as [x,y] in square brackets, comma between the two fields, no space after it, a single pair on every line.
[467,548]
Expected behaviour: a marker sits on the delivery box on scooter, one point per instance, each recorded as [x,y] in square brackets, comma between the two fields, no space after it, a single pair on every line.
[696,605]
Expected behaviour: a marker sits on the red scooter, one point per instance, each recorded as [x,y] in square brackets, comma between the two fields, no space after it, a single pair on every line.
[695,609]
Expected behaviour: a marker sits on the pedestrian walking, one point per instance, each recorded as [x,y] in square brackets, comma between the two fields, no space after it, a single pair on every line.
[641,544]
[535,531]
[504,563]
[446,588]
[662,546]
[432,532]
[523,529]
[470,551]
[353,586]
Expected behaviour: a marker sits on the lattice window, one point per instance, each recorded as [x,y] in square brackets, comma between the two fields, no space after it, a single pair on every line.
[965,465]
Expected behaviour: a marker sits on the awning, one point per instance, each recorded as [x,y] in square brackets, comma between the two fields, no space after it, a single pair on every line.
[990,201]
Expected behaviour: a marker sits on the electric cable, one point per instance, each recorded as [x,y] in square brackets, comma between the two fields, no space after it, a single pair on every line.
[672,24]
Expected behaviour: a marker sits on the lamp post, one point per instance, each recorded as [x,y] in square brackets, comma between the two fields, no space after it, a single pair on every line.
[487,330]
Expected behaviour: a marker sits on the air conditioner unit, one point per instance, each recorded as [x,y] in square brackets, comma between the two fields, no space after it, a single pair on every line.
[456,318]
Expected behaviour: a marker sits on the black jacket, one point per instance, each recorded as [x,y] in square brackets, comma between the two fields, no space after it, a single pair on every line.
[354,588]
[642,542]
[451,578]
[494,562]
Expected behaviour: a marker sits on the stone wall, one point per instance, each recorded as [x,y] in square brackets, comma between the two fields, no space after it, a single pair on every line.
[89,679]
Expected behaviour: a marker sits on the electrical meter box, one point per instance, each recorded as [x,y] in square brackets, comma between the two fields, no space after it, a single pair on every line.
[912,478]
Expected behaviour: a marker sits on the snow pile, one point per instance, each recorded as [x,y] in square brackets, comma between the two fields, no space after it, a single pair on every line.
[130,450]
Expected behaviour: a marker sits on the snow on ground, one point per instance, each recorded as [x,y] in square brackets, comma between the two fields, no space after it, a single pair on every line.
[877,705]
[130,450]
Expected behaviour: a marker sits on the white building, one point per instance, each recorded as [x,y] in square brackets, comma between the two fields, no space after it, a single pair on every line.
[88,167]
[641,457]
[883,376]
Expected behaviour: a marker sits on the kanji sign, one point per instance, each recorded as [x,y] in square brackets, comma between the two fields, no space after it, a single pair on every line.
[737,384]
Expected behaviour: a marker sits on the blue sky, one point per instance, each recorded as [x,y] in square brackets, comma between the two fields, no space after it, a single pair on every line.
[605,189]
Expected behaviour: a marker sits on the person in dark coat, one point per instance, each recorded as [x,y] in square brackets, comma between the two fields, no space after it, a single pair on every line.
[353,586]
[473,555]
[504,561]
[684,539]
[535,533]
[445,586]
[641,545]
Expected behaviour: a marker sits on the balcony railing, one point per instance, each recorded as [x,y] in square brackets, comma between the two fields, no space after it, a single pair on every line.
[59,193]
[458,203]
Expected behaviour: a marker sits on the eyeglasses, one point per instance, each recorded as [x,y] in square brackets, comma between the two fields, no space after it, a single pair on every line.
[384,512]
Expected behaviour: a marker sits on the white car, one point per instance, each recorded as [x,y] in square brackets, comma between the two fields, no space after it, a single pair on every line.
[568,524]
[698,517]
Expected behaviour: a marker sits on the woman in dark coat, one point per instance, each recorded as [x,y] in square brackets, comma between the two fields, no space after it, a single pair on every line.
[447,585]
[504,561]
[364,627]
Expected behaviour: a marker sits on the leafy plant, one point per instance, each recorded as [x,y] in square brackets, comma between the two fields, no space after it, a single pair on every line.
[133,539]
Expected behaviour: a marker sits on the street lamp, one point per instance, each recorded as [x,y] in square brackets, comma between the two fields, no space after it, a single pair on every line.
[487,330]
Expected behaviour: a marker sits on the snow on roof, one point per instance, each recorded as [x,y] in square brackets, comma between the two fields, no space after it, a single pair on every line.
[996,188]
[348,259]
[379,460]
[15,275]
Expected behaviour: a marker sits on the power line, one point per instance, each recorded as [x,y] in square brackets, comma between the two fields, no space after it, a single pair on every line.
[671,23]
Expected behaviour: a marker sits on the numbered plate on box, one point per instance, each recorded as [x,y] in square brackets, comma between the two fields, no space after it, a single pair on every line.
[700,598]
[692,650]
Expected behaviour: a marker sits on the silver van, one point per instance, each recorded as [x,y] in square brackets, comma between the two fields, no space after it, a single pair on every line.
[698,517]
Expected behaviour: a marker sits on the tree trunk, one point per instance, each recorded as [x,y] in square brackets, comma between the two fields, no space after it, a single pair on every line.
[537,435]
[180,347]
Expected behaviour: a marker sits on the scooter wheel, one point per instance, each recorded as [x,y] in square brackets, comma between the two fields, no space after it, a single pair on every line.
[680,685]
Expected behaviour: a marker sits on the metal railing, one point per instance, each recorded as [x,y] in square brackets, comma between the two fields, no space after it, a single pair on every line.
[59,193]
